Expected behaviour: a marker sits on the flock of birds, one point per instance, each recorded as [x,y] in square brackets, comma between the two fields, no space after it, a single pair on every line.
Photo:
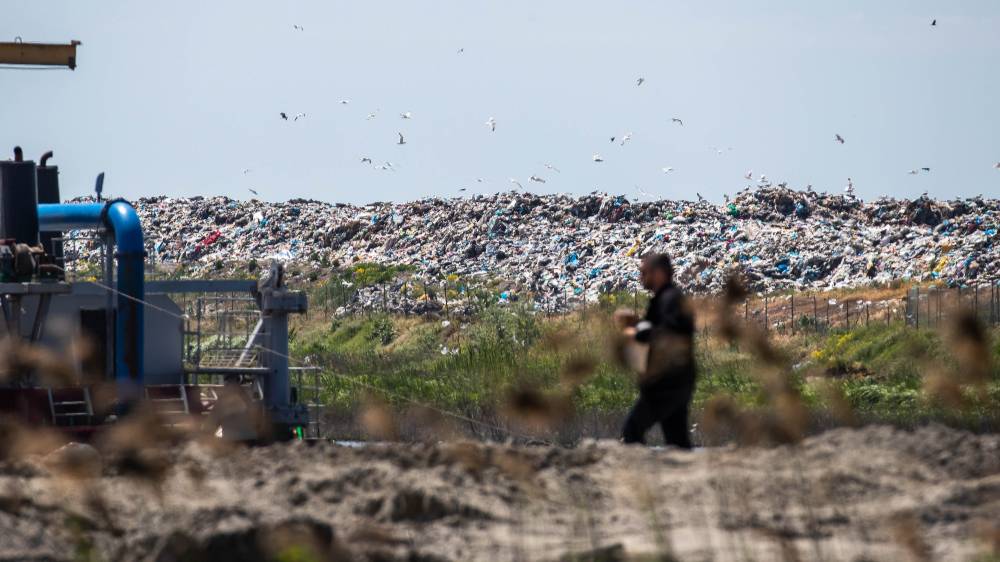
[622,140]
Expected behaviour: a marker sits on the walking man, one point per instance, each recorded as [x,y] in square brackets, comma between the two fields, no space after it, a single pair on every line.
[667,383]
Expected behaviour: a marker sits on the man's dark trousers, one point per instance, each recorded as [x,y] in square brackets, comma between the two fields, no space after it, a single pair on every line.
[664,404]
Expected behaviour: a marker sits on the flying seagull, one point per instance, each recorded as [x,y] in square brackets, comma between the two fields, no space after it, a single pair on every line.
[838,138]
[345,102]
[246,171]
[251,190]
[640,81]
[406,115]
[678,121]
[402,141]
[366,160]
[913,172]
[515,182]
[297,115]
[700,198]
[492,124]
[462,189]
[613,139]
[643,192]
[926,169]
[537,179]
[668,169]
[627,137]
[480,180]
[372,115]
[462,50]
[997,165]
[284,116]
[551,167]
[748,175]
[934,23]
[597,158]
[298,27]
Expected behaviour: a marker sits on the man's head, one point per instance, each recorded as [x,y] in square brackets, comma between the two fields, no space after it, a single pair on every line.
[656,272]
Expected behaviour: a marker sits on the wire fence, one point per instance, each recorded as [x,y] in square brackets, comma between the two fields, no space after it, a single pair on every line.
[918,307]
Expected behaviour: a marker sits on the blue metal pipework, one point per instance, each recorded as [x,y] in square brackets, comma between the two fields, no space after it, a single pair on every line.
[121,219]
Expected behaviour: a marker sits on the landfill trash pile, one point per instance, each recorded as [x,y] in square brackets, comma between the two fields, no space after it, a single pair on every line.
[560,250]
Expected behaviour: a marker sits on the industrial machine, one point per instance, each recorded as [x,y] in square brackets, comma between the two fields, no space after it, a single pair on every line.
[174,344]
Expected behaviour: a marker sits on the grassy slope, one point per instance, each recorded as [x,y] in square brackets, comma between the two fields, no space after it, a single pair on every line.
[879,369]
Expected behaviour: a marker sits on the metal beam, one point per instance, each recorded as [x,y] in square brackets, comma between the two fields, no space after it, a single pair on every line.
[44,54]
[201,286]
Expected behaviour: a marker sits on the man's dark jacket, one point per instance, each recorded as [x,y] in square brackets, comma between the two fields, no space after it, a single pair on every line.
[668,328]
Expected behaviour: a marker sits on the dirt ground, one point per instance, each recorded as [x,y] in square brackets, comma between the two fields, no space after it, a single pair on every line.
[876,493]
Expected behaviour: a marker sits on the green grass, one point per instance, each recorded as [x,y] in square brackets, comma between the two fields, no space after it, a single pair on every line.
[879,369]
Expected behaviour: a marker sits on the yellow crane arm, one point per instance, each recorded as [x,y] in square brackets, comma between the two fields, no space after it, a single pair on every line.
[39,53]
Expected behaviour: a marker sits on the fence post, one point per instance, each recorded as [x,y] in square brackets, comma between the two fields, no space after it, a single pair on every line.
[766,326]
[929,315]
[815,316]
[793,314]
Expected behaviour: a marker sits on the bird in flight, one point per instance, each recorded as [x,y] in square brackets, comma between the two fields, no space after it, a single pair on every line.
[678,121]
[668,169]
[480,180]
[700,198]
[551,167]
[748,175]
[402,140]
[597,158]
[462,189]
[297,116]
[913,172]
[838,138]
[251,190]
[627,137]
[298,27]
[997,165]
[387,166]
[462,50]
[643,192]
[515,182]
[613,139]
[640,81]
[372,115]
[345,102]
[284,116]
[366,160]
[492,124]
[246,171]
[926,169]
[537,179]
[406,115]
[934,23]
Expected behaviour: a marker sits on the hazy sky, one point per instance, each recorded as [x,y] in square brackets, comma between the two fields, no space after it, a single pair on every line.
[179,97]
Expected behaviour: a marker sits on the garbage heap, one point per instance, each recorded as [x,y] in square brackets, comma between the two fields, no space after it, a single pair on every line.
[559,250]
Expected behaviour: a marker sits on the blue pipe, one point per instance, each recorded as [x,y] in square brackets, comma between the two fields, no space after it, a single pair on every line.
[120,218]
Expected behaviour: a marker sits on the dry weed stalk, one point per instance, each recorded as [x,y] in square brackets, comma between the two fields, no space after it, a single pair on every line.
[536,410]
[907,532]
[377,419]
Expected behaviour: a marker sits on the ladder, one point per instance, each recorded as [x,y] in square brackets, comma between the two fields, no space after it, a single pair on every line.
[67,405]
[169,399]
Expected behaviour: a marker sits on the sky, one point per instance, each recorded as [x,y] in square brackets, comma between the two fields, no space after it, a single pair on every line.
[179,98]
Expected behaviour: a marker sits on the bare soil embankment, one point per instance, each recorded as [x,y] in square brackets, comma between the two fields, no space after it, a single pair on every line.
[875,493]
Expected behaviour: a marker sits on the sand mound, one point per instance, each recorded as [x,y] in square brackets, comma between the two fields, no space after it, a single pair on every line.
[877,492]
